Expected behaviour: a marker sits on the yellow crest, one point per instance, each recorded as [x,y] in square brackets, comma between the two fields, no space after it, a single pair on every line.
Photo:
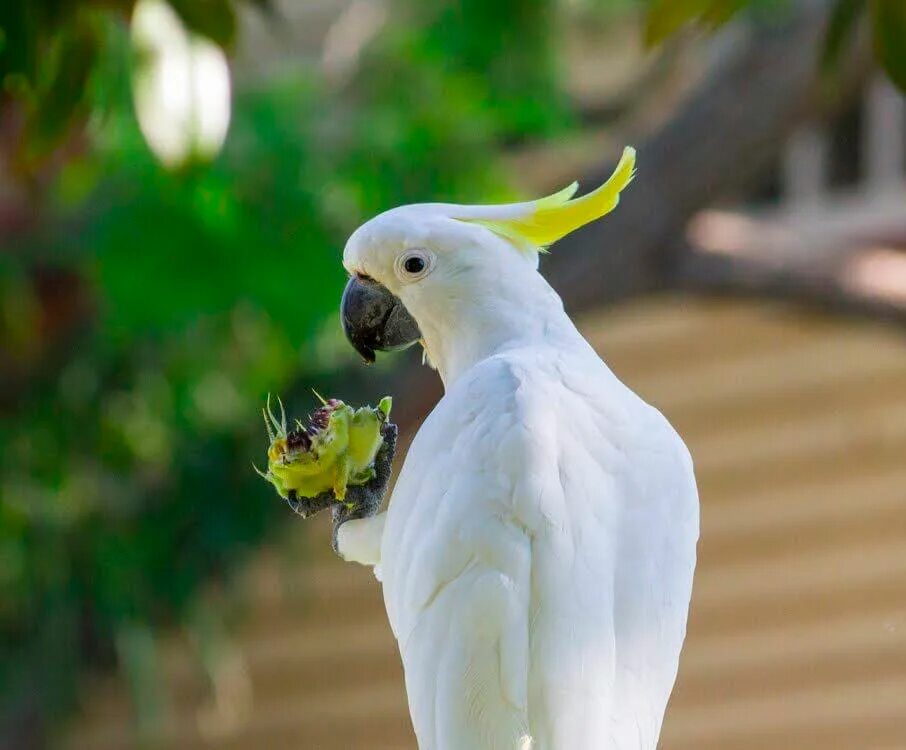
[542,222]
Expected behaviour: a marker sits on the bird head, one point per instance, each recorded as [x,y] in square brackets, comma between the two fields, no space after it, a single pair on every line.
[424,271]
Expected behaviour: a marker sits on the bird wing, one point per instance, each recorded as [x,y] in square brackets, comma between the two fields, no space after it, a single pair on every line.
[456,568]
[537,559]
[613,558]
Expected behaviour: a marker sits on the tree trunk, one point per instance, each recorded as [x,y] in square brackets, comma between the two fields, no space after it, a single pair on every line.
[727,133]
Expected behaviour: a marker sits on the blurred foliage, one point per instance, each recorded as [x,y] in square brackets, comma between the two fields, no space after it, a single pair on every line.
[887,19]
[511,63]
[145,313]
[49,50]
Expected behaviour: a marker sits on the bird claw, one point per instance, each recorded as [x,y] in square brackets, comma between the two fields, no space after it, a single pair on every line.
[309,506]
[365,500]
[361,501]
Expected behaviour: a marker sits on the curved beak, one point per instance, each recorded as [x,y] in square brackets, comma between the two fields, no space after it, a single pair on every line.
[375,320]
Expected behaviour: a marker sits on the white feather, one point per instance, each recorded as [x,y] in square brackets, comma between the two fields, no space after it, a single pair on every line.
[538,551]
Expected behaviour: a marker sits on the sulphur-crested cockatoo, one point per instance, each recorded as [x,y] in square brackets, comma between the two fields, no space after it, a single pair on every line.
[538,548]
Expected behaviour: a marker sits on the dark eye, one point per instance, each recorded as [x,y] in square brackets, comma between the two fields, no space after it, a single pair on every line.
[414,264]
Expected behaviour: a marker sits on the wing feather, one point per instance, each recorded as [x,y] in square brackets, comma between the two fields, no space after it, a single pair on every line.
[538,556]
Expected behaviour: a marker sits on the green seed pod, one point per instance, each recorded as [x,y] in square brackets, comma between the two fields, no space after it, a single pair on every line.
[336,449]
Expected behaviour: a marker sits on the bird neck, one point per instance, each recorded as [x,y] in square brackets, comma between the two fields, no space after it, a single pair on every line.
[525,314]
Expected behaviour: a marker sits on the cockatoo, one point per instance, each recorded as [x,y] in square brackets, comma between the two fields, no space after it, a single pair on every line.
[538,549]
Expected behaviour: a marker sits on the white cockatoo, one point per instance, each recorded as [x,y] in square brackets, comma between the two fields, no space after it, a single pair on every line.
[538,549]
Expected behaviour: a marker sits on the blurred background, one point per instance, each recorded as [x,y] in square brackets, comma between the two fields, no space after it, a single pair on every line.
[177,180]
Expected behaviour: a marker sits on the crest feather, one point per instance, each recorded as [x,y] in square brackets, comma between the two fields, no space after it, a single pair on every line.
[552,218]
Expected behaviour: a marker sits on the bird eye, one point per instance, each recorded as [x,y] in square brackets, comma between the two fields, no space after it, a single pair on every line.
[414,264]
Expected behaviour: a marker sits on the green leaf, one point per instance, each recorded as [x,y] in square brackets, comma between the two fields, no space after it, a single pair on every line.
[889,31]
[666,17]
[721,11]
[839,33]
[214,19]
[60,94]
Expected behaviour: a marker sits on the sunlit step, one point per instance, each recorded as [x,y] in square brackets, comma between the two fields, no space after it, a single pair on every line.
[766,447]
[688,342]
[854,646]
[820,359]
[756,529]
[871,710]
[351,715]
[845,393]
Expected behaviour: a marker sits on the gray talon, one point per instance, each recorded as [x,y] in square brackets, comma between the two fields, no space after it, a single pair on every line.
[361,501]
[366,500]
[309,506]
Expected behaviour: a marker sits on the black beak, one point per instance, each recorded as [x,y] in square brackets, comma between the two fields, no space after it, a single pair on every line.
[374,320]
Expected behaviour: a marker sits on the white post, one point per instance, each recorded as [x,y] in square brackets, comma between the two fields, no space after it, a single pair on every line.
[805,166]
[883,136]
